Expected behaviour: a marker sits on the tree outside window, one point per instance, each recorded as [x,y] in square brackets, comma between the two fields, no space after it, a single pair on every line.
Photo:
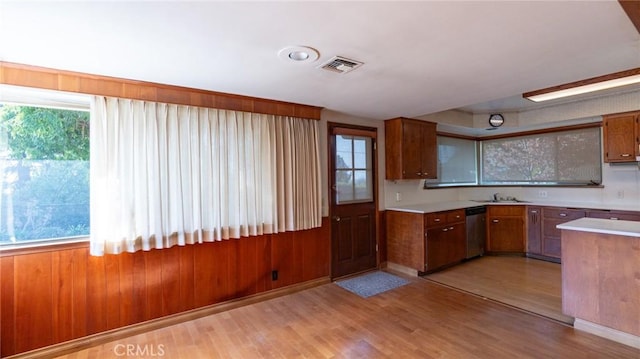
[44,173]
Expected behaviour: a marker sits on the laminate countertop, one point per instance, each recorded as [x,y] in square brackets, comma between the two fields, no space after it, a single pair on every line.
[604,226]
[451,205]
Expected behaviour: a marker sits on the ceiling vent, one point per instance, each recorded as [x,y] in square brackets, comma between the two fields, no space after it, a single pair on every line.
[341,65]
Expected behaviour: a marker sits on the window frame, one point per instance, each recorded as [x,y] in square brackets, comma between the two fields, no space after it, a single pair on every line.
[479,161]
[53,99]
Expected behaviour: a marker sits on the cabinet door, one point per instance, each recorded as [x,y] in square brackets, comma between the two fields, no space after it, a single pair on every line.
[506,234]
[620,142]
[534,230]
[445,245]
[411,149]
[429,151]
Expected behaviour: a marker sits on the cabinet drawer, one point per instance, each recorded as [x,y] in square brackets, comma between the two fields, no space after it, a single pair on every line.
[436,219]
[444,217]
[455,216]
[562,213]
[623,216]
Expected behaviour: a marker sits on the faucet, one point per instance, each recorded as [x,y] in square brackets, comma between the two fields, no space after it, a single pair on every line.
[495,197]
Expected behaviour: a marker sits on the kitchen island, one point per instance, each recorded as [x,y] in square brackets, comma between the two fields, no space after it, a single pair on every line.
[601,277]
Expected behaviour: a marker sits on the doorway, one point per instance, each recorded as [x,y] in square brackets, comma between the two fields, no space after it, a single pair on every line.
[352,199]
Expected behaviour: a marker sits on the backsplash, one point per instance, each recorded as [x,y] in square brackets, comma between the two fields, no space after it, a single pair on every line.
[621,186]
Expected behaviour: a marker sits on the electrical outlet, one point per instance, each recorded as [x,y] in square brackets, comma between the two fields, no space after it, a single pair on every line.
[398,196]
[620,194]
[542,194]
[274,275]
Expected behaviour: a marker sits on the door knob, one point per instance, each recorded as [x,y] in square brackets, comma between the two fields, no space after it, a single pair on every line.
[336,218]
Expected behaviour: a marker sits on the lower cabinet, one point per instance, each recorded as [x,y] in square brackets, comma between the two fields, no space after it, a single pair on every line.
[445,245]
[534,230]
[506,229]
[551,217]
[426,242]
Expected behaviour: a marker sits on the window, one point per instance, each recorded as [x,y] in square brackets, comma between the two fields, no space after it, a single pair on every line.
[570,157]
[457,162]
[44,173]
[354,169]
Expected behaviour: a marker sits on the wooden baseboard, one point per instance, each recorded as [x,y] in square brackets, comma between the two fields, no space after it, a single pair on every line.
[139,328]
[606,332]
[394,267]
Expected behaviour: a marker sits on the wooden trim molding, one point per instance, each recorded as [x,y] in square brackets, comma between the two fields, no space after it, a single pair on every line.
[60,80]
[590,81]
[542,131]
[632,8]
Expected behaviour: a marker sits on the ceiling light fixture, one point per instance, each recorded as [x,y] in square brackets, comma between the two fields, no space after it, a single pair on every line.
[298,54]
[622,78]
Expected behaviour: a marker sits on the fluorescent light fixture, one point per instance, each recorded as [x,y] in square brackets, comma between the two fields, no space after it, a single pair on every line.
[623,78]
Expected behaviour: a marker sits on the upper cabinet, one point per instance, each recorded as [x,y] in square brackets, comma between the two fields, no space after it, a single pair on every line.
[621,137]
[410,149]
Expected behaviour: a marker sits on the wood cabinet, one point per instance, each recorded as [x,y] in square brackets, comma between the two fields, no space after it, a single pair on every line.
[551,217]
[534,230]
[621,133]
[614,215]
[445,239]
[410,149]
[426,242]
[506,229]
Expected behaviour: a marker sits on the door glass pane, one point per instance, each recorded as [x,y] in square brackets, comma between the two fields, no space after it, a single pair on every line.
[354,169]
[344,186]
[344,152]
[363,185]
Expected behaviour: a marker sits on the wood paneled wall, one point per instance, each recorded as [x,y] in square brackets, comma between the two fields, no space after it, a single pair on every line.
[51,79]
[51,296]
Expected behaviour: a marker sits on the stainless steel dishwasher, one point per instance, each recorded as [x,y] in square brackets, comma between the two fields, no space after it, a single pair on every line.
[476,226]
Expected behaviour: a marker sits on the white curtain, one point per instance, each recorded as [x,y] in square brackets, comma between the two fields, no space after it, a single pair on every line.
[165,174]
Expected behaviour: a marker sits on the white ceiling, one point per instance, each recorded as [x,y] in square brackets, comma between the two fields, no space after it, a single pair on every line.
[420,57]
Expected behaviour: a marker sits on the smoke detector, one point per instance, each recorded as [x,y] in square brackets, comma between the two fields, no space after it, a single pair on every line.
[341,65]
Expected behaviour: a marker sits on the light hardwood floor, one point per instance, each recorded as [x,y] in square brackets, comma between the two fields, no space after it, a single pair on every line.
[418,320]
[529,284]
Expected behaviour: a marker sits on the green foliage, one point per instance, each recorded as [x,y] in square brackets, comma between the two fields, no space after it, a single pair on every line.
[37,133]
[44,173]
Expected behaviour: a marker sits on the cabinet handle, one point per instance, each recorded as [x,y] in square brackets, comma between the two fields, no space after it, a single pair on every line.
[563,214]
[495,221]
[534,211]
[614,218]
[625,155]
[419,173]
[445,229]
[436,220]
[451,228]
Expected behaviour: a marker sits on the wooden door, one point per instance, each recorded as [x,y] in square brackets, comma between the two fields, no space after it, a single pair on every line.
[353,199]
